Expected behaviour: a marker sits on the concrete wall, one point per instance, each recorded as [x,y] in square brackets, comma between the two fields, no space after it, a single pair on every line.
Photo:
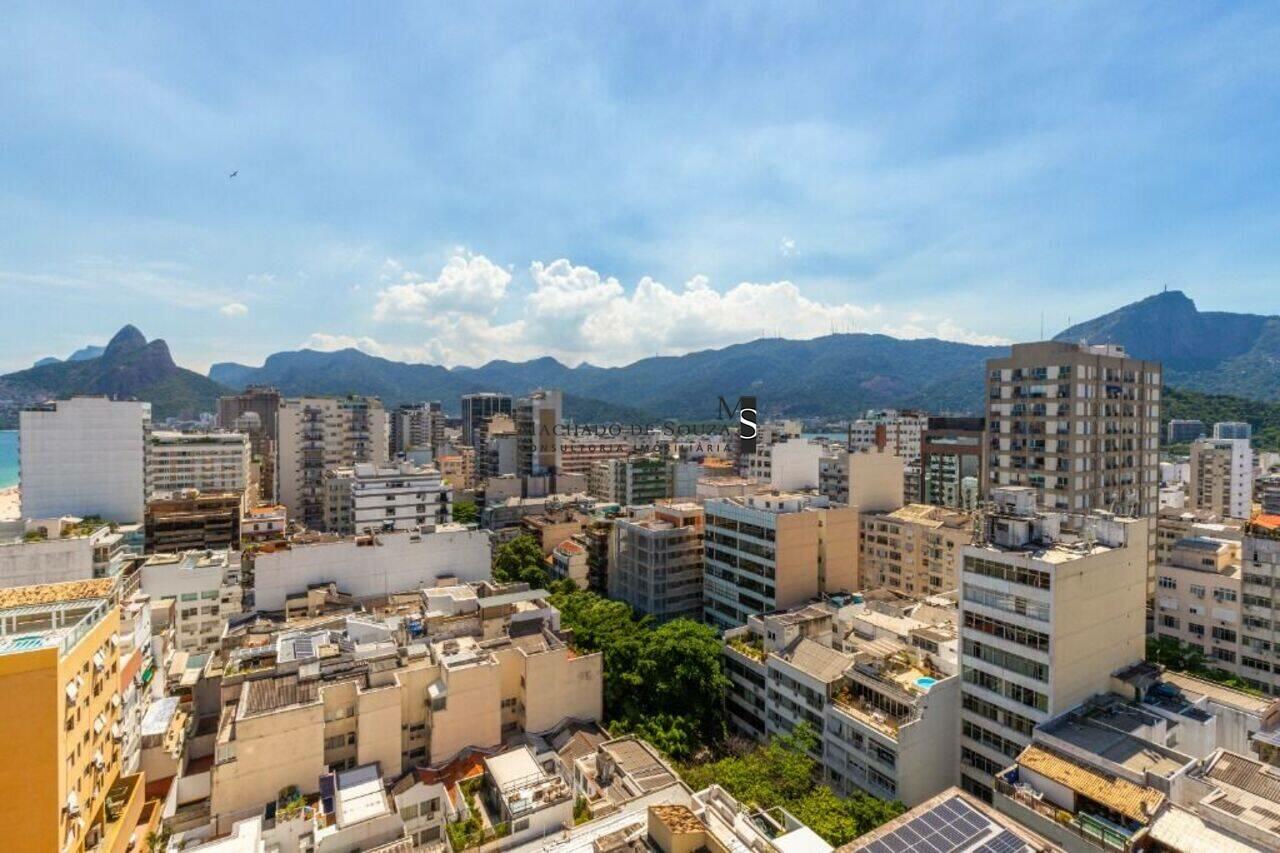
[397,563]
[85,458]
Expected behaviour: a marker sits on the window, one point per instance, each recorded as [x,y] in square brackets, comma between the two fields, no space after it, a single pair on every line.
[1197,590]
[1224,595]
[1196,629]
[1167,583]
[1169,622]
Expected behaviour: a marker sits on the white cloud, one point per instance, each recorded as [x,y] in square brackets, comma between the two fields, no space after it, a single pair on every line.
[575,314]
[787,247]
[234,309]
[468,284]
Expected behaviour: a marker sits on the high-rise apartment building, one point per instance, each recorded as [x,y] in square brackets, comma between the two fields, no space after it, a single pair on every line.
[1184,431]
[1233,429]
[951,462]
[415,426]
[1051,604]
[915,550]
[193,521]
[495,447]
[902,432]
[631,482]
[769,551]
[259,400]
[1078,423]
[256,413]
[477,408]
[85,457]
[655,561]
[207,461]
[537,418]
[1221,476]
[396,496]
[60,690]
[320,433]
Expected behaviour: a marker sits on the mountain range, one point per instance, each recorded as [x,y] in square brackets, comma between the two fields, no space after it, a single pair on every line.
[1211,351]
[828,377]
[128,367]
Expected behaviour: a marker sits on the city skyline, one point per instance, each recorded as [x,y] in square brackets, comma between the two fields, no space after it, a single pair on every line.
[599,185]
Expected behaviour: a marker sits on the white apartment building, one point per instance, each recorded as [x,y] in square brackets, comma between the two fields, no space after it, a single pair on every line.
[416,426]
[786,465]
[44,551]
[772,551]
[205,461]
[84,457]
[1051,605]
[382,498]
[371,566]
[205,586]
[1221,478]
[902,432]
[883,707]
[321,433]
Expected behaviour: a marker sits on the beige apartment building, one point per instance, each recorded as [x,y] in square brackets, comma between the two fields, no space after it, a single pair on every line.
[1174,524]
[1221,477]
[1221,597]
[917,549]
[1078,423]
[775,550]
[431,675]
[320,433]
[1051,604]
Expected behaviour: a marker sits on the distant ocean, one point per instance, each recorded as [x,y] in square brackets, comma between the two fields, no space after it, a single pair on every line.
[8,458]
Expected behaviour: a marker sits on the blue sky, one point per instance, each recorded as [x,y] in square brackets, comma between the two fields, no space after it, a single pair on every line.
[604,181]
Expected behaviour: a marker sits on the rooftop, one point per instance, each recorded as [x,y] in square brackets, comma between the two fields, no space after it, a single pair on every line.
[1133,801]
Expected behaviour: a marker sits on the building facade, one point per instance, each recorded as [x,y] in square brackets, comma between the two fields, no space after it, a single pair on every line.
[655,561]
[321,433]
[477,408]
[1079,424]
[773,551]
[382,498]
[1221,477]
[208,462]
[1051,604]
[951,462]
[916,550]
[84,457]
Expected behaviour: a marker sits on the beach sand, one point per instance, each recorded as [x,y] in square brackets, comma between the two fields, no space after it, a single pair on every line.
[9,505]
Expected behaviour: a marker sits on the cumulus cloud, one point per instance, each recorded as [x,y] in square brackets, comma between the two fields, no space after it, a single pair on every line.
[468,284]
[575,313]
[234,309]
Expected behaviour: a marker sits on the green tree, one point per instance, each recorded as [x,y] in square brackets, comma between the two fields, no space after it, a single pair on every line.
[465,512]
[521,561]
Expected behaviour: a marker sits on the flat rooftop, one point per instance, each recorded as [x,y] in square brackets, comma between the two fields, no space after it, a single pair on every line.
[1117,746]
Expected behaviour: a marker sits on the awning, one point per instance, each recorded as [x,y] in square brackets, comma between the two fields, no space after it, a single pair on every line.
[72,692]
[99,659]
[115,700]
[148,674]
[116,732]
[98,760]
[73,803]
[99,724]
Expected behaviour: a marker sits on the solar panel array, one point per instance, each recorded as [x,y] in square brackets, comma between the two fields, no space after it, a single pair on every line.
[949,826]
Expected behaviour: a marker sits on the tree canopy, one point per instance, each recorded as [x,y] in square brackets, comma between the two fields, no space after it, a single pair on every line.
[521,561]
[465,512]
[666,684]
[782,773]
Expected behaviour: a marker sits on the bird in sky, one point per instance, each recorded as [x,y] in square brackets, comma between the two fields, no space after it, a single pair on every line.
[233,174]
